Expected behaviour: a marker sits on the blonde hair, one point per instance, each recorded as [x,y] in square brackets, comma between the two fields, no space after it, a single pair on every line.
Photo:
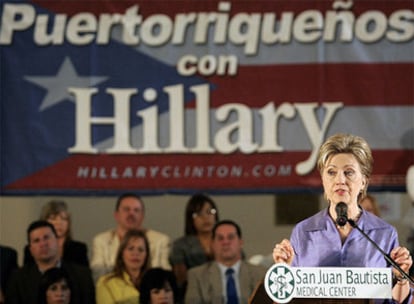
[53,208]
[351,144]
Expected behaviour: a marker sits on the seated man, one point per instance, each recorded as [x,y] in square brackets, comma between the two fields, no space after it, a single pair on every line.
[227,279]
[43,245]
[129,214]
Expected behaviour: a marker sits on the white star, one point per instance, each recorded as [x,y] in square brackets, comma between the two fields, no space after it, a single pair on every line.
[56,86]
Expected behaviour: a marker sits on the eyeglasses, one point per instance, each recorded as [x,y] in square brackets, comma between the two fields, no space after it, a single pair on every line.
[207,212]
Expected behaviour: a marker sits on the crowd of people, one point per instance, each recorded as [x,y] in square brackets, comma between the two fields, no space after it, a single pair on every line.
[133,264]
[130,264]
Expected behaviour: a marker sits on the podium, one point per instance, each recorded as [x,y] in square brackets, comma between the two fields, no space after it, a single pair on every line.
[259,296]
[285,284]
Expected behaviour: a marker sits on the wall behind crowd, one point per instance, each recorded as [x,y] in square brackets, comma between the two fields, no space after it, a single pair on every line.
[255,213]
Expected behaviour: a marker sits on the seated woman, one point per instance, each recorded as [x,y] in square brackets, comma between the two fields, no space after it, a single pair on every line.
[55,287]
[132,260]
[158,286]
[57,213]
[194,248]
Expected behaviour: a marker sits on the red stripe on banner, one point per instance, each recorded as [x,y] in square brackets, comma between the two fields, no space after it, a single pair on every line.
[235,172]
[353,84]
[171,7]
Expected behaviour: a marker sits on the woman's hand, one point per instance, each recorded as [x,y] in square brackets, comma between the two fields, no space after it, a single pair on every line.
[283,252]
[402,257]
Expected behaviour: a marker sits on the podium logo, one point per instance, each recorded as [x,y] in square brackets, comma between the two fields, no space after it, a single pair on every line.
[279,283]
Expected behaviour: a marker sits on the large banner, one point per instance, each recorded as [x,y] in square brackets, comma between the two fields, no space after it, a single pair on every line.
[164,96]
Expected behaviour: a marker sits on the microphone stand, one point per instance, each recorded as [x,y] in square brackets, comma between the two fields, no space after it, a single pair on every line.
[386,256]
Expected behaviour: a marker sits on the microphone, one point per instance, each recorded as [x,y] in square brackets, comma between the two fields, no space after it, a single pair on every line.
[342,218]
[342,214]
[386,256]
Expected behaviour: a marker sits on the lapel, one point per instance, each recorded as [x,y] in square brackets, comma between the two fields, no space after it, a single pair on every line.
[244,282]
[215,280]
[213,289]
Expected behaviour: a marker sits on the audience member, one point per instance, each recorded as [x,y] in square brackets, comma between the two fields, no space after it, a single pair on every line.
[57,213]
[55,287]
[132,260]
[370,204]
[345,165]
[43,245]
[129,214]
[158,286]
[228,278]
[194,248]
[8,262]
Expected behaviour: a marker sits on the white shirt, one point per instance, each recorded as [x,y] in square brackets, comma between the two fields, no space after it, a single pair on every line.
[236,268]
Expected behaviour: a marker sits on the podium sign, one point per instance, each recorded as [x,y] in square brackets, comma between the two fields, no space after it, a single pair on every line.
[282,283]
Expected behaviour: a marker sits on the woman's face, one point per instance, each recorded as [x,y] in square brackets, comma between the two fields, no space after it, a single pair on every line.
[61,223]
[342,179]
[163,295]
[205,218]
[134,254]
[58,293]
